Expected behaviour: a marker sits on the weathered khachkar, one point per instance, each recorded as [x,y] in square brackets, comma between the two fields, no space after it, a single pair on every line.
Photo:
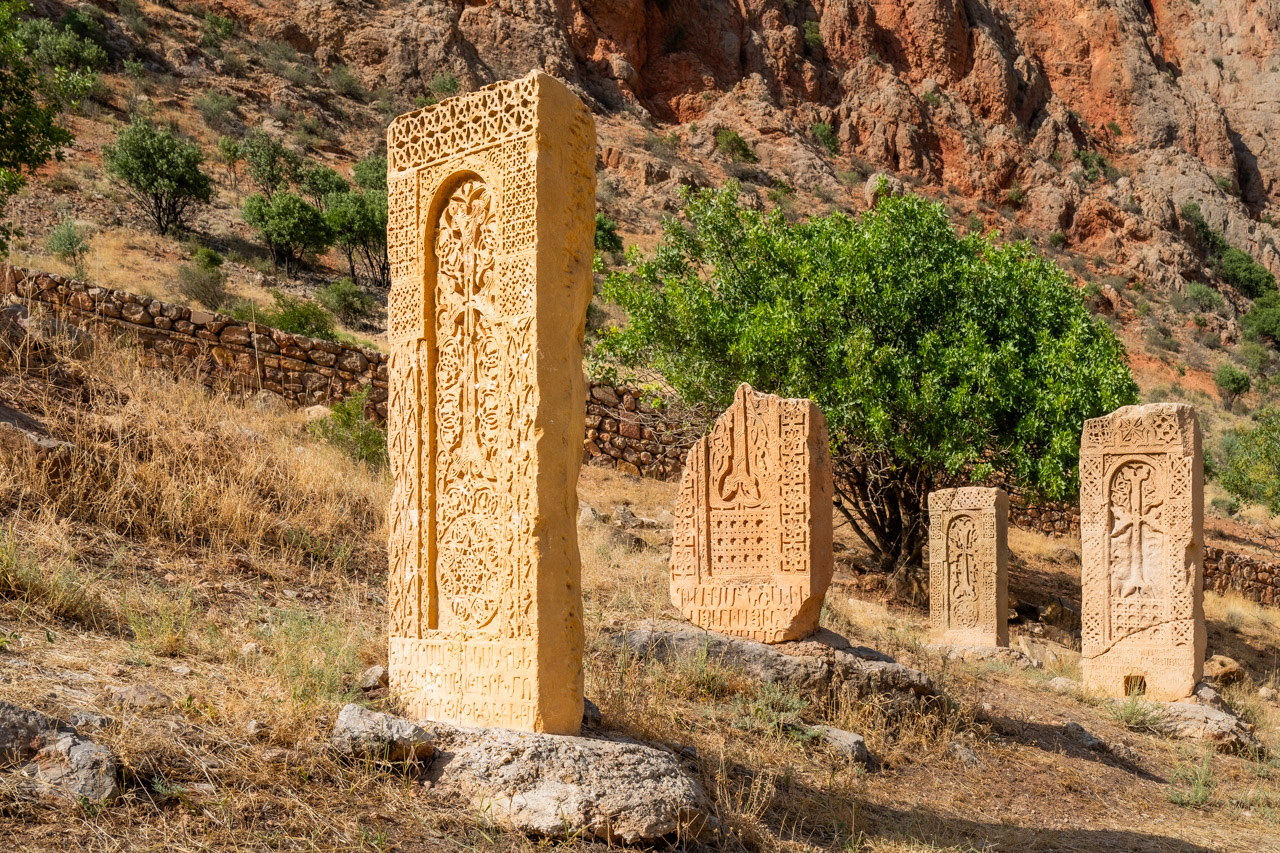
[492,201]
[969,566]
[1142,542]
[751,550]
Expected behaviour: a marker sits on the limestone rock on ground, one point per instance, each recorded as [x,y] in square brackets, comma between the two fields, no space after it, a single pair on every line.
[1002,654]
[852,745]
[823,662]
[138,697]
[1198,721]
[361,733]
[373,678]
[1062,684]
[609,789]
[1084,737]
[57,761]
[1223,670]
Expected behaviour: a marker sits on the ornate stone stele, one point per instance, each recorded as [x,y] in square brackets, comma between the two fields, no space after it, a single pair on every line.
[751,550]
[492,201]
[1141,540]
[969,566]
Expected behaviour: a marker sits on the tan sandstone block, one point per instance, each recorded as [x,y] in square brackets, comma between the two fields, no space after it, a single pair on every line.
[492,202]
[1142,543]
[751,549]
[969,566]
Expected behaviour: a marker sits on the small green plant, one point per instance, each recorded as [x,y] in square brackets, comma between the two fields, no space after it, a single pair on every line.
[444,85]
[1057,239]
[1217,61]
[826,137]
[1232,382]
[731,144]
[346,83]
[1016,196]
[203,284]
[217,110]
[1225,184]
[313,655]
[607,237]
[160,624]
[215,29]
[69,242]
[813,34]
[1115,129]
[1204,298]
[1226,506]
[1192,783]
[346,300]
[133,17]
[933,99]
[291,314]
[1136,714]
[56,587]
[348,429]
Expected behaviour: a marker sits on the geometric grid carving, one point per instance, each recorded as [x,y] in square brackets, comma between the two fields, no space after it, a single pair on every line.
[968,566]
[491,198]
[1141,538]
[751,547]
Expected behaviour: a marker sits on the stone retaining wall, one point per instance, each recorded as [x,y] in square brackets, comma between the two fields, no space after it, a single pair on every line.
[626,432]
[213,348]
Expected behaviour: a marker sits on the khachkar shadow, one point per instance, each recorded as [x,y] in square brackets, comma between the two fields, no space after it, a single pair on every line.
[1142,544]
[968,566]
[491,201]
[751,546]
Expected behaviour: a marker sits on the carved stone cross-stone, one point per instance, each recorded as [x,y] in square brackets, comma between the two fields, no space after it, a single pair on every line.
[751,549]
[968,566]
[1142,543]
[491,214]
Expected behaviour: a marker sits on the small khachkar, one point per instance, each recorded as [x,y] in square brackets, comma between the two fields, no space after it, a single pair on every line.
[751,550]
[492,202]
[1141,542]
[969,566]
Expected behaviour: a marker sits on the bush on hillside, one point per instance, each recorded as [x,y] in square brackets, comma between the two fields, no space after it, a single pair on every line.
[607,237]
[1231,382]
[69,242]
[1252,468]
[348,429]
[160,172]
[358,222]
[203,285]
[289,226]
[370,173]
[936,359]
[1235,267]
[346,300]
[270,165]
[291,314]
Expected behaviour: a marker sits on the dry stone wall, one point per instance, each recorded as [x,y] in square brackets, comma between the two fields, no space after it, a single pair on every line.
[215,348]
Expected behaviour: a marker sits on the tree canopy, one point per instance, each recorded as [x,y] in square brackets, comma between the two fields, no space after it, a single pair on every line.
[936,359]
[161,173]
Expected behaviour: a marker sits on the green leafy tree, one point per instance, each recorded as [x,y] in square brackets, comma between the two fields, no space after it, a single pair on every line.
[371,173]
[1252,468]
[1231,382]
[1263,319]
[271,166]
[160,172]
[31,96]
[317,182]
[607,237]
[289,226]
[936,359]
[358,222]
[75,43]
[230,154]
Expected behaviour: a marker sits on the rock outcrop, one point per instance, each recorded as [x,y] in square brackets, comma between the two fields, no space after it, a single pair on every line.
[55,761]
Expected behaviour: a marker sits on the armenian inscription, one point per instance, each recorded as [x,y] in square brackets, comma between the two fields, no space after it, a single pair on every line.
[491,203]
[1142,538]
[751,549]
[968,566]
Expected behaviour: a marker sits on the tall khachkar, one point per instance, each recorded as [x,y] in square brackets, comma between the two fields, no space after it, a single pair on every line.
[751,550]
[1142,538]
[492,201]
[969,566]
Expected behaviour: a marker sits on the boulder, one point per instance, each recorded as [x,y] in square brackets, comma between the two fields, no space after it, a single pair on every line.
[57,761]
[851,745]
[361,733]
[1061,684]
[373,678]
[138,697]
[1222,728]
[825,662]
[587,514]
[1000,654]
[1223,670]
[1084,737]
[609,789]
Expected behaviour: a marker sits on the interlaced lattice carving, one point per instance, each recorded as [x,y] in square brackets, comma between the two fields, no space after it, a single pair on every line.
[751,549]
[488,193]
[1141,541]
[968,573]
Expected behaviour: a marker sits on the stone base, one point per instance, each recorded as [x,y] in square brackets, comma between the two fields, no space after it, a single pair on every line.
[1162,675]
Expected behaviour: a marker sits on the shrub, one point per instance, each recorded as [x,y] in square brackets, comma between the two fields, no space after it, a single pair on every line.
[1057,239]
[444,85]
[348,429]
[1255,357]
[1016,196]
[217,109]
[347,83]
[607,237]
[290,314]
[1235,267]
[160,172]
[357,222]
[731,144]
[231,155]
[346,300]
[931,98]
[826,137]
[934,357]
[1114,128]
[1225,184]
[289,226]
[203,283]
[206,258]
[60,46]
[69,242]
[215,29]
[370,173]
[813,34]
[1263,319]
[270,165]
[1231,382]
[133,17]
[1203,298]
[1251,471]
[318,181]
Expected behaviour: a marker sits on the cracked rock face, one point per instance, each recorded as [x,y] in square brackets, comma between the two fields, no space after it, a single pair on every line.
[609,789]
[1222,728]
[361,733]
